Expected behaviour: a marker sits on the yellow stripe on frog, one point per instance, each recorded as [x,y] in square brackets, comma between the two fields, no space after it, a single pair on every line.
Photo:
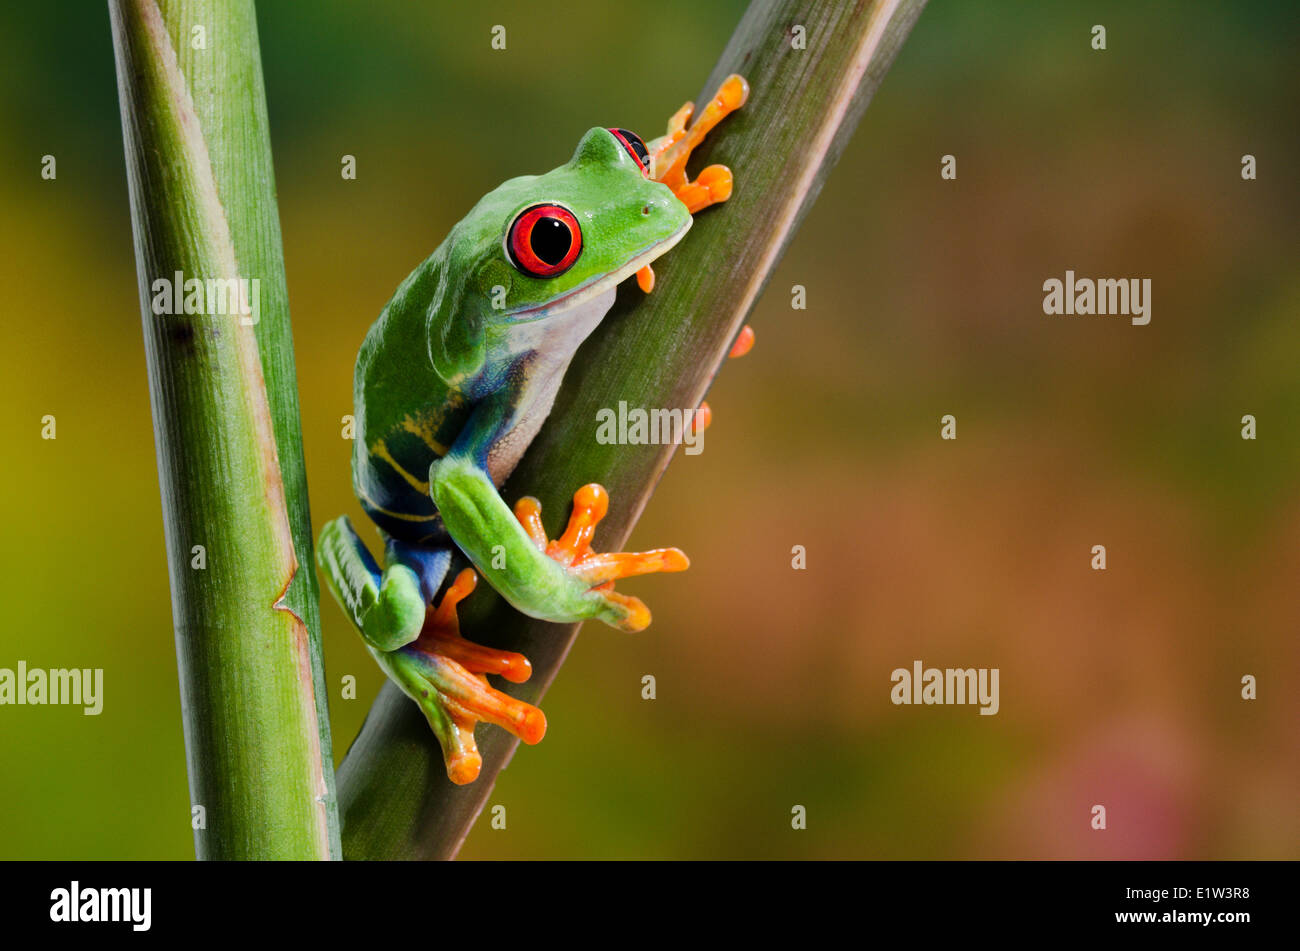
[403,516]
[416,429]
[381,451]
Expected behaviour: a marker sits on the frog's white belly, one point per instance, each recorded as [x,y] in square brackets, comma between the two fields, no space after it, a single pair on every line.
[537,343]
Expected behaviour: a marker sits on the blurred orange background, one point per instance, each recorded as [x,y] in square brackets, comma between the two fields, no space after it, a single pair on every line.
[1119,687]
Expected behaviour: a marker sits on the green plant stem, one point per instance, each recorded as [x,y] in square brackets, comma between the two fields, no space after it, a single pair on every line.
[662,350]
[227,430]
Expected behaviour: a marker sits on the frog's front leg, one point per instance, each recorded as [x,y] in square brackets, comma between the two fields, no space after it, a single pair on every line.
[548,582]
[563,582]
[574,553]
[669,153]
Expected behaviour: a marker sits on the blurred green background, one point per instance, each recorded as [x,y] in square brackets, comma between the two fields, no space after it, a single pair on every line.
[924,298]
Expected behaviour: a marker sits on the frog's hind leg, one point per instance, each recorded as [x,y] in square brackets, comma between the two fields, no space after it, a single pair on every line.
[433,665]
[387,607]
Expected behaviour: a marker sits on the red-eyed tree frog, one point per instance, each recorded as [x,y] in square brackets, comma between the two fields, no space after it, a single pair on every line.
[452,383]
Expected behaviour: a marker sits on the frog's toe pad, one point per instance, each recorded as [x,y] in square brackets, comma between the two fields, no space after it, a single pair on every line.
[713,187]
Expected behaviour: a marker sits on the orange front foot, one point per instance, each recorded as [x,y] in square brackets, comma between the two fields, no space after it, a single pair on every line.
[445,674]
[669,153]
[598,569]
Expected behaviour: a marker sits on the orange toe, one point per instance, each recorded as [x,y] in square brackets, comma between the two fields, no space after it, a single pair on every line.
[529,512]
[744,342]
[609,566]
[590,505]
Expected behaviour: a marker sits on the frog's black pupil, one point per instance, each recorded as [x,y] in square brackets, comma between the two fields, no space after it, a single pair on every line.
[551,240]
[637,144]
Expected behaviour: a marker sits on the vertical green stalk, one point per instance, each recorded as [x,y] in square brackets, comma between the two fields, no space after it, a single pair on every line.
[229,446]
[812,69]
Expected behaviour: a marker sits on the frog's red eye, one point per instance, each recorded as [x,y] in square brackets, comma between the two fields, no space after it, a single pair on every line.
[635,146]
[544,240]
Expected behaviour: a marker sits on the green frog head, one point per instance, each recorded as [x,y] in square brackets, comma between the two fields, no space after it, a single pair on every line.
[534,265]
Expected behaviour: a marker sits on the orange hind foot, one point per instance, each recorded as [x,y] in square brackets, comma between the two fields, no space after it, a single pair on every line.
[446,675]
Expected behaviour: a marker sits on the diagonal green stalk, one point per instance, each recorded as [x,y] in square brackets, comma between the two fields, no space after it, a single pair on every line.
[244,596]
[662,350]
